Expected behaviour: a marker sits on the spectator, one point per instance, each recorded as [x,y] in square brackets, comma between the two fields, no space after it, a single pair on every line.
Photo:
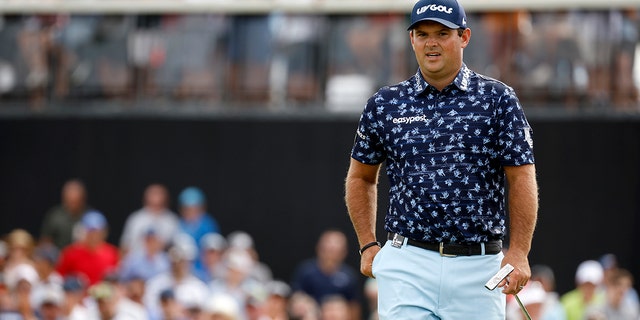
[74,289]
[20,282]
[236,281]
[303,307]
[20,248]
[134,288]
[154,213]
[616,306]
[625,92]
[49,303]
[250,51]
[148,262]
[208,266]
[110,304]
[610,266]
[296,58]
[551,308]
[243,241]
[222,307]
[59,221]
[335,307]
[45,259]
[91,256]
[170,308]
[275,308]
[327,274]
[588,276]
[194,220]
[179,278]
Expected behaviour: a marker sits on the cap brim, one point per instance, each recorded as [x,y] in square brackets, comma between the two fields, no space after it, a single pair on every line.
[446,23]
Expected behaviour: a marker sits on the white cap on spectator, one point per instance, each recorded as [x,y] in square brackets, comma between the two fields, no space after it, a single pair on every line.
[240,240]
[50,294]
[279,288]
[183,248]
[21,272]
[239,260]
[589,271]
[223,305]
[190,296]
[213,241]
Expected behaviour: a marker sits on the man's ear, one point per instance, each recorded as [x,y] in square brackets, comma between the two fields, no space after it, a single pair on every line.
[466,37]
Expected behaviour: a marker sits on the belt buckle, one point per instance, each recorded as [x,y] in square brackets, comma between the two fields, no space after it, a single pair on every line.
[397,241]
[442,254]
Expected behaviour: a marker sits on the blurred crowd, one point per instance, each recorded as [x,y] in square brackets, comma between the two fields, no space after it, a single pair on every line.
[167,265]
[179,266]
[567,59]
[603,291]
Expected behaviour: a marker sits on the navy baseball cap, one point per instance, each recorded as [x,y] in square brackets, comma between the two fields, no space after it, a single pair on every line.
[448,12]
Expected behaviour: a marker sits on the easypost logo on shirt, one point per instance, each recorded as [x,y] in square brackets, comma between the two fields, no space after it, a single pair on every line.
[434,7]
[410,120]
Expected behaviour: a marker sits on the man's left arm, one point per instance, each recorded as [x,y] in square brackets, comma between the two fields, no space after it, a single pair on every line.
[523,213]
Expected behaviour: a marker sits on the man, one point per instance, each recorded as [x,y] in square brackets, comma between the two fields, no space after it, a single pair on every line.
[49,302]
[209,263]
[112,305]
[147,262]
[327,275]
[616,306]
[154,213]
[449,138]
[586,295]
[58,223]
[194,219]
[179,278]
[90,256]
[74,291]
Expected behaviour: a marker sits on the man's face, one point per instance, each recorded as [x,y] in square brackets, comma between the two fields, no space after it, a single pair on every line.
[438,49]
[332,247]
[50,311]
[155,197]
[191,213]
[73,198]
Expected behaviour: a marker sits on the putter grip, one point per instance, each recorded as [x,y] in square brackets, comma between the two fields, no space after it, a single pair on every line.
[495,280]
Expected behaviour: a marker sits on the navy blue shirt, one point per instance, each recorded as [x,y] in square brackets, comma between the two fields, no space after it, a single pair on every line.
[310,279]
[445,152]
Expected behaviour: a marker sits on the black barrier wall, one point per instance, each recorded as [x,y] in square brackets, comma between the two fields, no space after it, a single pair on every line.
[281,179]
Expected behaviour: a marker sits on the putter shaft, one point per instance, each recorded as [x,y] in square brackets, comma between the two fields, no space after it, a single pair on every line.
[526,313]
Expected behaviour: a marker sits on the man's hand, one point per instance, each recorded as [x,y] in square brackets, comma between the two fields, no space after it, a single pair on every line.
[520,275]
[366,261]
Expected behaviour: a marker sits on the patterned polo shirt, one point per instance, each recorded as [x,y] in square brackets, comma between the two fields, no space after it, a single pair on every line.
[445,152]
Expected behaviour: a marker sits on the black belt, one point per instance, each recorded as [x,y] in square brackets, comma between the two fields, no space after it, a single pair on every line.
[450,249]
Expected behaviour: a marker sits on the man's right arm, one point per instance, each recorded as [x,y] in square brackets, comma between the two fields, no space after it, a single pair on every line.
[361,196]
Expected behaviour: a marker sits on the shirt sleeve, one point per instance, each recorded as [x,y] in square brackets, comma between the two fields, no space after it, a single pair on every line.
[367,146]
[515,140]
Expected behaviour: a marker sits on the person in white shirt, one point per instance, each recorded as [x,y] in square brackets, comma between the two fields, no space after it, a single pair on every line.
[189,290]
[154,213]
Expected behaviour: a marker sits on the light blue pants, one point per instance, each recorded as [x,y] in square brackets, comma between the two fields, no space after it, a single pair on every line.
[414,283]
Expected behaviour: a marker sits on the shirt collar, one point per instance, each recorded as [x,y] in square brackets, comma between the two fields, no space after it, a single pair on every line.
[461,80]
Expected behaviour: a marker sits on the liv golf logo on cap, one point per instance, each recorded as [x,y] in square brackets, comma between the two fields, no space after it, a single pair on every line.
[434,7]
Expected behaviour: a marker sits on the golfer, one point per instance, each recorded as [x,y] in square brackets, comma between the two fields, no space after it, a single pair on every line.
[455,143]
